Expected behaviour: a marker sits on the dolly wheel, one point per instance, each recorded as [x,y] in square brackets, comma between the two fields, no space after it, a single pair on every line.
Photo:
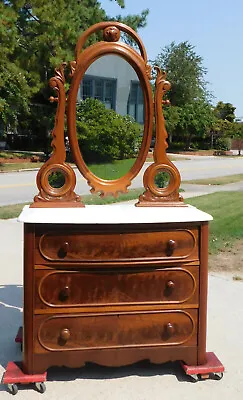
[13,388]
[40,387]
[194,377]
[218,376]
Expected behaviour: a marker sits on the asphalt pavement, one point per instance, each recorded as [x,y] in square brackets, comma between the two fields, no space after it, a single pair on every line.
[18,187]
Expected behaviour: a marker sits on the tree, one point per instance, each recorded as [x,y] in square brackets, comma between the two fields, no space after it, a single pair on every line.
[196,120]
[237,135]
[221,131]
[14,89]
[172,119]
[36,37]
[225,111]
[190,117]
[185,72]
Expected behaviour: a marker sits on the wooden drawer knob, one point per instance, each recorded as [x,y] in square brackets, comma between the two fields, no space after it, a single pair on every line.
[63,250]
[65,334]
[170,330]
[171,246]
[170,285]
[64,293]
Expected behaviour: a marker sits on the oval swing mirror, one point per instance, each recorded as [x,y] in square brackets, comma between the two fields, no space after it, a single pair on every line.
[110,116]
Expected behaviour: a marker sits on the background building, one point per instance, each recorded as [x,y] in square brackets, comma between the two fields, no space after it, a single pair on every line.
[113,81]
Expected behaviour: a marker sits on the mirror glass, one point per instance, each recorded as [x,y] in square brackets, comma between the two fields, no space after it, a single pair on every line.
[110,117]
[56,179]
[162,179]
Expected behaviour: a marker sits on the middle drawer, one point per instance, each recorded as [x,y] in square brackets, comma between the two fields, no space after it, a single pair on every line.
[105,287]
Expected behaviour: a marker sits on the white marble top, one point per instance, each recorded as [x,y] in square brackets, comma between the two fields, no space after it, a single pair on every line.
[110,214]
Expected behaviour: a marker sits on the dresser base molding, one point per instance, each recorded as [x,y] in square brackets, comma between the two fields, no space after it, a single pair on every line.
[112,357]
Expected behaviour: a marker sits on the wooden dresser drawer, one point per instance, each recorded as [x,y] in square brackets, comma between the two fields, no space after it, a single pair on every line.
[104,331]
[107,246]
[99,288]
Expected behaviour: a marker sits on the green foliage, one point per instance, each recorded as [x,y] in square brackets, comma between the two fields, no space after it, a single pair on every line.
[196,120]
[172,119]
[56,179]
[121,3]
[36,37]
[225,111]
[190,117]
[222,143]
[185,72]
[162,179]
[104,135]
[14,89]
[188,125]
[224,127]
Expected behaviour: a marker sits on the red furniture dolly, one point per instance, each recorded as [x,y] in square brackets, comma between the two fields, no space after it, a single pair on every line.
[14,374]
[213,366]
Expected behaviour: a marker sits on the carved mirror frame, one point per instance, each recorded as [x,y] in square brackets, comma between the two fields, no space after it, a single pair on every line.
[65,196]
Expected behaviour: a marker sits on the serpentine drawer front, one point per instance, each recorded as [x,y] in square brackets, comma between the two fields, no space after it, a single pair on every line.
[108,245]
[103,331]
[134,286]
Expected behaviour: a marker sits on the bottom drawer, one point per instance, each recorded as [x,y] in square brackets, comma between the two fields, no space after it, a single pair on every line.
[104,331]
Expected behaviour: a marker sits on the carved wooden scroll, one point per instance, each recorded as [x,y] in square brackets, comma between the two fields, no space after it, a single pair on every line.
[50,195]
[154,194]
[64,195]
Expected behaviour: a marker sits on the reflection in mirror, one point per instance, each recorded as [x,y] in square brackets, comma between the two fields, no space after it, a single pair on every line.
[110,117]
[56,179]
[162,179]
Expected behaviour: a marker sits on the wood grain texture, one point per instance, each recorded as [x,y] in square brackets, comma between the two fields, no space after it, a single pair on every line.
[111,245]
[28,338]
[202,328]
[65,289]
[126,311]
[104,331]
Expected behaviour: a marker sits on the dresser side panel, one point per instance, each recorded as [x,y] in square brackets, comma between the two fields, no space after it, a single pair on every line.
[29,259]
[203,288]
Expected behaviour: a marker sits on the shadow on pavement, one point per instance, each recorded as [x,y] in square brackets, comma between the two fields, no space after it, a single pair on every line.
[11,319]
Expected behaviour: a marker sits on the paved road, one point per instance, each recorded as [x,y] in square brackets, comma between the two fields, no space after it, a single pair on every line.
[20,187]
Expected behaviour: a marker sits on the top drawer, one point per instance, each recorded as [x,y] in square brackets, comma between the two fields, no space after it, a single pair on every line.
[73,245]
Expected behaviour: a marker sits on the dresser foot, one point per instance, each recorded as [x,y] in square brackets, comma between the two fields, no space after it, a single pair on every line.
[213,367]
[14,376]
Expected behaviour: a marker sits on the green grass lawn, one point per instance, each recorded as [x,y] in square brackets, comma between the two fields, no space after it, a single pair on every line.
[6,167]
[226,209]
[13,154]
[13,211]
[221,180]
[112,170]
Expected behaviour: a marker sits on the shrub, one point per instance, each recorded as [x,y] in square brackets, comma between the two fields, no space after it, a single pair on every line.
[222,143]
[104,135]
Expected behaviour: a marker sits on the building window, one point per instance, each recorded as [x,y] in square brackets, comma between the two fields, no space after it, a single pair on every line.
[102,89]
[135,106]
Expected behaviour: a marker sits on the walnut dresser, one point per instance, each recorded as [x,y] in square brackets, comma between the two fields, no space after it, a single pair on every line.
[114,285]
